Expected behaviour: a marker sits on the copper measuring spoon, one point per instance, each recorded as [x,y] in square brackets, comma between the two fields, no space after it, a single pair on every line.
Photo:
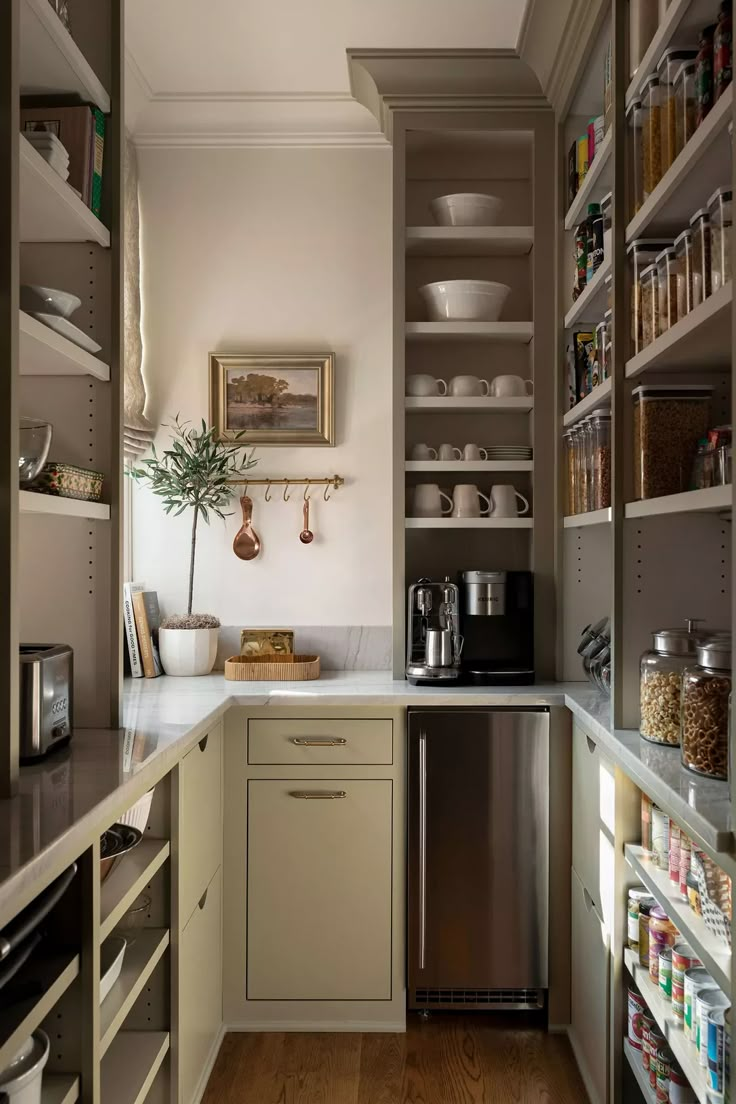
[247,543]
[306,536]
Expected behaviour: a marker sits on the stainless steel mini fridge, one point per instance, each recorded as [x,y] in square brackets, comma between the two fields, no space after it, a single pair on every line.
[478,858]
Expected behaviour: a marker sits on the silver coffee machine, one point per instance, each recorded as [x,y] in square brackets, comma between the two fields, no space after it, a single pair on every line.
[433,643]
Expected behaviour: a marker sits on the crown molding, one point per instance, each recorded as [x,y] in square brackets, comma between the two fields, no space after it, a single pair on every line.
[251,97]
[261,140]
[527,20]
[584,19]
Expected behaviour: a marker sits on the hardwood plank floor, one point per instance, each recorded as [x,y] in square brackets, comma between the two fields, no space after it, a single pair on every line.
[449,1060]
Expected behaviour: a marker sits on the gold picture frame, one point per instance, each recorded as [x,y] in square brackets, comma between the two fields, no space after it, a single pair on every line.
[274,398]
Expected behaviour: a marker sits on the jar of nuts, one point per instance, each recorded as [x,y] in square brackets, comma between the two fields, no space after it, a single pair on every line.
[705,691]
[660,682]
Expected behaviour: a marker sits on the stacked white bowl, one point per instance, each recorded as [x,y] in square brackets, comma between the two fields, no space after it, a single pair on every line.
[466,209]
[464,300]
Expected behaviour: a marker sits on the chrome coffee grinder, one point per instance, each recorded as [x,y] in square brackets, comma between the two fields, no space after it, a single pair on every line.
[433,642]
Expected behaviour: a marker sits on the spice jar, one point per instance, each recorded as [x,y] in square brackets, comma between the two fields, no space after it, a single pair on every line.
[635,132]
[700,228]
[722,51]
[660,682]
[719,209]
[669,420]
[649,284]
[600,434]
[705,690]
[667,288]
[684,272]
[669,65]
[637,894]
[704,74]
[652,135]
[684,105]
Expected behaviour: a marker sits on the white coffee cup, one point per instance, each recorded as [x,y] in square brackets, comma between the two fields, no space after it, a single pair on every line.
[423,452]
[466,501]
[503,501]
[472,452]
[467,386]
[510,387]
[449,452]
[427,502]
[421,386]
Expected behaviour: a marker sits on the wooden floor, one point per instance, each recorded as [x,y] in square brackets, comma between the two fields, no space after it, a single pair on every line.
[449,1060]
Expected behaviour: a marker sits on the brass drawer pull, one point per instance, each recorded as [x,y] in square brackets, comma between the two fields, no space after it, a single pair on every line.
[318,741]
[318,795]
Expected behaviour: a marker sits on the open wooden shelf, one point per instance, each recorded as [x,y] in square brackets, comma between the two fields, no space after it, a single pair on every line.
[470,523]
[50,210]
[130,1066]
[633,1057]
[599,396]
[438,466]
[596,184]
[590,306]
[702,166]
[50,62]
[709,950]
[513,332]
[32,502]
[699,342]
[141,959]
[44,352]
[52,974]
[59,1088]
[688,502]
[128,880]
[592,517]
[469,241]
[475,404]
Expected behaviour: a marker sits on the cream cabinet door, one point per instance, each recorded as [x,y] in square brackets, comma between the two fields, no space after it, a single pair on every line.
[200,988]
[589,1020]
[319,889]
[593,820]
[200,820]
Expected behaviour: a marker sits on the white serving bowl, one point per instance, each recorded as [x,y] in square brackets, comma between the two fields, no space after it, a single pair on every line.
[34,297]
[464,300]
[466,209]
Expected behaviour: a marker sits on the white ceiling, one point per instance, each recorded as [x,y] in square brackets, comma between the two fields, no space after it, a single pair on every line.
[245,66]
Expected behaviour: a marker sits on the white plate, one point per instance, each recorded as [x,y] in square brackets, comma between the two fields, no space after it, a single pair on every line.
[67,329]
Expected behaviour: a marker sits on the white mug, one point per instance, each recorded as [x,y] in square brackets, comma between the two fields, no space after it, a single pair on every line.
[449,452]
[503,501]
[428,501]
[466,501]
[424,386]
[510,387]
[472,452]
[423,452]
[465,386]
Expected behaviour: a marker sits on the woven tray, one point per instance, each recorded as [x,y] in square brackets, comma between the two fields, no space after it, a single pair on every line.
[272,668]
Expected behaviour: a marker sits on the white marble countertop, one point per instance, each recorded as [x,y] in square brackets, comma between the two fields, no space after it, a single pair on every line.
[78,790]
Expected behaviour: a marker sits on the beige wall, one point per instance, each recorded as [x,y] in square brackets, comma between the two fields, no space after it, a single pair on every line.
[284,250]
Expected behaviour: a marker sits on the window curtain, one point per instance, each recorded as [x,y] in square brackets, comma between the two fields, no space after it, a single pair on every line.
[138,431]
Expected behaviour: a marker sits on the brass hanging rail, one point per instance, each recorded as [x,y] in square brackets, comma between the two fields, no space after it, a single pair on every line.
[332,481]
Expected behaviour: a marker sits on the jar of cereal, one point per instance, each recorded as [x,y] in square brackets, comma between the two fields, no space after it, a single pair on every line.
[705,691]
[660,682]
[719,208]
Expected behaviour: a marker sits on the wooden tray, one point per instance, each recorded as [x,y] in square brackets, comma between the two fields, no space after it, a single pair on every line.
[272,668]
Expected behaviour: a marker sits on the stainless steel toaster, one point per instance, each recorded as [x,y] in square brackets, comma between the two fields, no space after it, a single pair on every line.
[46,689]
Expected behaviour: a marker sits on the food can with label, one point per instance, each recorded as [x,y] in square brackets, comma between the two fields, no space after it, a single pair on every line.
[657,1051]
[665,972]
[662,1092]
[675,841]
[727,1056]
[645,907]
[637,894]
[683,958]
[707,1001]
[681,1091]
[648,1025]
[684,863]
[716,1069]
[646,822]
[696,978]
[662,933]
[637,1009]
[660,839]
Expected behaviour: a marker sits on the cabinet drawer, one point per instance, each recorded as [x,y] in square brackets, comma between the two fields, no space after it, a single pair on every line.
[320,743]
[590,983]
[200,820]
[319,889]
[593,820]
[200,988]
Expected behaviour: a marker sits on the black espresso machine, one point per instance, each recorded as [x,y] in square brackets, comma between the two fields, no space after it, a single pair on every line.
[497,625]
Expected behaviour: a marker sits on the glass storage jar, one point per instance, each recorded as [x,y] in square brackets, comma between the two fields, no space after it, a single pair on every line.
[700,229]
[600,436]
[705,690]
[568,443]
[650,328]
[667,288]
[600,342]
[641,253]
[704,74]
[662,934]
[635,132]
[669,420]
[607,344]
[684,272]
[660,682]
[684,105]
[585,462]
[722,51]
[579,470]
[669,65]
[652,135]
[719,209]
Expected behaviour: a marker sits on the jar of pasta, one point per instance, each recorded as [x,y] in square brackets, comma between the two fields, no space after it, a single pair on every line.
[700,228]
[684,105]
[652,135]
[705,690]
[650,329]
[641,253]
[684,272]
[669,65]
[667,287]
[719,209]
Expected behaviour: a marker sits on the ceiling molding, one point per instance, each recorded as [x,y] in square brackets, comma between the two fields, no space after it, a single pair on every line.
[262,140]
[584,19]
[526,21]
[251,97]
[139,75]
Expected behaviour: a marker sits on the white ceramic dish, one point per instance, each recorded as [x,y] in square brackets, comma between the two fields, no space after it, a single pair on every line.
[64,327]
[20,1082]
[138,814]
[464,300]
[112,953]
[35,297]
[466,209]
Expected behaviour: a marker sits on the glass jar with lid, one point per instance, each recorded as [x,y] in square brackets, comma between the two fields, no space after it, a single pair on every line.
[650,329]
[568,439]
[600,439]
[700,228]
[660,682]
[635,131]
[668,66]
[684,272]
[667,287]
[652,135]
[684,105]
[584,436]
[705,690]
[719,209]
[641,253]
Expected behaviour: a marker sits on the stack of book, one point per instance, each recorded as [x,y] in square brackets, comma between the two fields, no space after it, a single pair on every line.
[141,620]
[55,125]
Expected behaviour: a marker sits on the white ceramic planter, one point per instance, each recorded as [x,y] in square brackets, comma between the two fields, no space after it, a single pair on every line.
[187,651]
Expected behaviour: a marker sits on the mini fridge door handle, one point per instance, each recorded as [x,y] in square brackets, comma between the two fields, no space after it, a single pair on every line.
[422,847]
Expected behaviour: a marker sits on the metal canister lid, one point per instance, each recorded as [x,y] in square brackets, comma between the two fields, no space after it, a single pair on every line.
[677,641]
[639,893]
[703,213]
[715,652]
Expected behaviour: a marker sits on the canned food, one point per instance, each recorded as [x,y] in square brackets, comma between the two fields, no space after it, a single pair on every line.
[696,978]
[657,1052]
[683,958]
[662,933]
[636,895]
[662,1092]
[646,822]
[660,838]
[645,907]
[727,1055]
[681,1091]
[716,1069]
[665,972]
[684,863]
[693,893]
[706,1001]
[637,1008]
[675,842]
[648,1025]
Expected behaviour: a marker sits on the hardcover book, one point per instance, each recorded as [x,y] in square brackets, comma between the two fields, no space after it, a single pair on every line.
[131,635]
[147,621]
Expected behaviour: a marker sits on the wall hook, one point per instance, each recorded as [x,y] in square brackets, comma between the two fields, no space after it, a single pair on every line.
[326,496]
[286,488]
[267,495]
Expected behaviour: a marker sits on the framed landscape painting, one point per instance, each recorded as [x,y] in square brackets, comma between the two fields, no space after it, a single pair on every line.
[276,399]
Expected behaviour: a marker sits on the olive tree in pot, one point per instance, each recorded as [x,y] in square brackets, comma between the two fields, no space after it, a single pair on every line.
[192,474]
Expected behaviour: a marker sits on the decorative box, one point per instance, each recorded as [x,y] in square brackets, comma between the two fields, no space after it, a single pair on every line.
[68,481]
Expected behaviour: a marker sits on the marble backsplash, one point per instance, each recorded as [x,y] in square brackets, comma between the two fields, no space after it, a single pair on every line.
[341,647]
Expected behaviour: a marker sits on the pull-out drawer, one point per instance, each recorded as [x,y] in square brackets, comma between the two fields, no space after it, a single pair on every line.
[200,988]
[316,742]
[200,820]
[593,820]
